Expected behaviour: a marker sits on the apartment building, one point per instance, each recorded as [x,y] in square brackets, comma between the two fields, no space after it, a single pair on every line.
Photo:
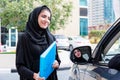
[78,24]
[101,12]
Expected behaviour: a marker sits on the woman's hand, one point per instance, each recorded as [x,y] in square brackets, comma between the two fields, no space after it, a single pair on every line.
[36,77]
[55,64]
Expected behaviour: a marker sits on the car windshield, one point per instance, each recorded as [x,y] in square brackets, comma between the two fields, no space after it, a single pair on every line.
[60,37]
[78,38]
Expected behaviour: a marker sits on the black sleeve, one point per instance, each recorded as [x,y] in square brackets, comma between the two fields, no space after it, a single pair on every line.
[57,57]
[115,62]
[23,71]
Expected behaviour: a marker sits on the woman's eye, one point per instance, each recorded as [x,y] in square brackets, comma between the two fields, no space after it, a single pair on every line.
[43,16]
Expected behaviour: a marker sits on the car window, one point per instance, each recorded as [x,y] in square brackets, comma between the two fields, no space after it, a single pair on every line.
[60,37]
[115,49]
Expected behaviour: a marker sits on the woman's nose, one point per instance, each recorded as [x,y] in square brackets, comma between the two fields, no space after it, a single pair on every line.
[47,20]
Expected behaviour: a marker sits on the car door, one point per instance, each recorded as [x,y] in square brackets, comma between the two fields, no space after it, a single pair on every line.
[106,50]
[96,66]
[109,41]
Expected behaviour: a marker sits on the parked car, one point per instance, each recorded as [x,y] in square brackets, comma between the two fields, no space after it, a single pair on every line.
[62,42]
[97,64]
[76,41]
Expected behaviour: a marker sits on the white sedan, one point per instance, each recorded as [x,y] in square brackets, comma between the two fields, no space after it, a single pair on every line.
[76,41]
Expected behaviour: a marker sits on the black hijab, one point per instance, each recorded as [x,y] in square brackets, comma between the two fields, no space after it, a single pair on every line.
[76,60]
[38,35]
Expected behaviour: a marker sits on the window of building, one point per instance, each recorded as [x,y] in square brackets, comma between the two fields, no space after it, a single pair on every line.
[83,12]
[83,26]
[83,2]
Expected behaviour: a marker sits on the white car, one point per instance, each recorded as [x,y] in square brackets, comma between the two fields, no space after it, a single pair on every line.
[76,41]
[62,42]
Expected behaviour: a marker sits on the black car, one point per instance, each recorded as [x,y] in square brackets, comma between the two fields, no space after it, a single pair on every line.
[103,63]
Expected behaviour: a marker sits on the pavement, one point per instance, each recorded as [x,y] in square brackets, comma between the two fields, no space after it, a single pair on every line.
[8,62]
[8,70]
[7,66]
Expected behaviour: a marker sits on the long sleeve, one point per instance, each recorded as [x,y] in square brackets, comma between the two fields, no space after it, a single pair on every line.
[57,57]
[20,59]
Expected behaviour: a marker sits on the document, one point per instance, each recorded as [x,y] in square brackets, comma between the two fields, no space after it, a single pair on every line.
[46,61]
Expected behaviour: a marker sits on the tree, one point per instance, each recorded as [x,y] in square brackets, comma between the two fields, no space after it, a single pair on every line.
[14,13]
[60,13]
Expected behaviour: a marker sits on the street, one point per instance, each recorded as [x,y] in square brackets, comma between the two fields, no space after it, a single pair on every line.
[8,63]
[62,75]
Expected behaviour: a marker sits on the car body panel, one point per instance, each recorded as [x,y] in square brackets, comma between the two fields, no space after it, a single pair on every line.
[83,72]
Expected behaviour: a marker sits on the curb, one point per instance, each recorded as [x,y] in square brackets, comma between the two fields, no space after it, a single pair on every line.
[65,68]
[15,71]
[5,70]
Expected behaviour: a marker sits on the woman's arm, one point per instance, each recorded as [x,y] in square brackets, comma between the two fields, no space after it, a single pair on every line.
[20,59]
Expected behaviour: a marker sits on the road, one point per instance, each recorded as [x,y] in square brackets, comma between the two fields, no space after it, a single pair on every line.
[8,63]
[62,75]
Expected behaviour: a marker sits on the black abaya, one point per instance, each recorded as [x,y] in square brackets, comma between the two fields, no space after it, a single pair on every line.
[31,45]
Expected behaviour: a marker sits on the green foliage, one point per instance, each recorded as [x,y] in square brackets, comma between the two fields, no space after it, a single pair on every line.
[60,13]
[14,13]
[7,52]
[96,35]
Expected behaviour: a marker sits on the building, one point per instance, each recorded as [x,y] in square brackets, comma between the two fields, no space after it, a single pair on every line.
[90,13]
[96,12]
[116,7]
[83,14]
[101,12]
[72,27]
[78,24]
[109,13]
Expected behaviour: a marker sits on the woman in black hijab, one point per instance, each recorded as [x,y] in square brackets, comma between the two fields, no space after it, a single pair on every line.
[77,56]
[35,40]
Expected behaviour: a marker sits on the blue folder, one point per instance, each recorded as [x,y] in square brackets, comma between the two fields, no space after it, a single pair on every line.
[46,61]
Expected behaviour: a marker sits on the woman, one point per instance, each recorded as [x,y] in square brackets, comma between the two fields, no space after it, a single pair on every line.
[78,56]
[35,40]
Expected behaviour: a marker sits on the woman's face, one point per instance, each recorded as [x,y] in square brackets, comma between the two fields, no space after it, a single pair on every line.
[44,19]
[77,53]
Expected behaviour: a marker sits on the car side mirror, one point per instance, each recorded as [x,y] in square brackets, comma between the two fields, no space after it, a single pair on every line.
[81,55]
